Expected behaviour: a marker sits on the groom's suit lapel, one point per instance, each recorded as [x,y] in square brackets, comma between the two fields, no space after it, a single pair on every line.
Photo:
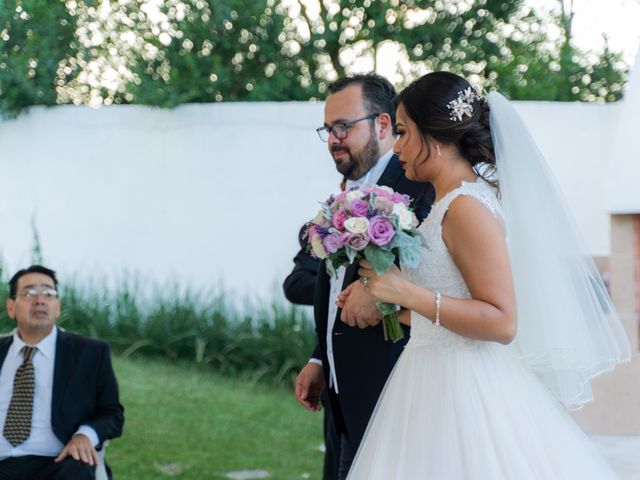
[392,173]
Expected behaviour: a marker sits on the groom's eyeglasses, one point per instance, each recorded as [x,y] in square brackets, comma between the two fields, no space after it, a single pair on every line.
[340,130]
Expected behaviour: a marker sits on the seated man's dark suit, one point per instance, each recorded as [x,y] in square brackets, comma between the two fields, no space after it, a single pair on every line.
[85,390]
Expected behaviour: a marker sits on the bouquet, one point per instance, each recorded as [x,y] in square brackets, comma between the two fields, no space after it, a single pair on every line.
[372,222]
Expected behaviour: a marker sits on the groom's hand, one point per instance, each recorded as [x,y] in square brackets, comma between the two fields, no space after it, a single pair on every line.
[309,384]
[358,308]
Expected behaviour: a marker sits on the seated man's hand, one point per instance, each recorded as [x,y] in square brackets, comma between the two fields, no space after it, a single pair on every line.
[358,308]
[309,384]
[80,448]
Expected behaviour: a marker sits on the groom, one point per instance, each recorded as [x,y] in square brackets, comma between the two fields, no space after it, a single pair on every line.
[352,359]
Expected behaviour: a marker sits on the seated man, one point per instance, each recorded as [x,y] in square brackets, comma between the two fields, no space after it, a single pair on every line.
[58,392]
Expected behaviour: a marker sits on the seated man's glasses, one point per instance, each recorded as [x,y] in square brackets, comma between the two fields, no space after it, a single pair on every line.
[340,130]
[30,293]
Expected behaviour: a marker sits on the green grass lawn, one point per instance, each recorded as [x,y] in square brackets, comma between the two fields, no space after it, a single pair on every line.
[187,423]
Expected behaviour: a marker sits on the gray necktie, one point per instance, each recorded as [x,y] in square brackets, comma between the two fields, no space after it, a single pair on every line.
[17,426]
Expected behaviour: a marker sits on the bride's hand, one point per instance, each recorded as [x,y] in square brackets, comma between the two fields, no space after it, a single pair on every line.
[388,287]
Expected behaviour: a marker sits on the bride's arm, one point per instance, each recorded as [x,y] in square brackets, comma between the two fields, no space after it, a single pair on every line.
[475,239]
[404,317]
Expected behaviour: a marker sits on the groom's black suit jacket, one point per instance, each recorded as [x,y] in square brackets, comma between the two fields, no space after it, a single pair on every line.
[363,359]
[85,390]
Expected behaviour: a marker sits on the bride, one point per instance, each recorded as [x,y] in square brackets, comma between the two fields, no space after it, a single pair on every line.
[509,320]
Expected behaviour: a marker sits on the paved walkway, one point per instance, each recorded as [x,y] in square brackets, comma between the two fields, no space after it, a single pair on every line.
[622,452]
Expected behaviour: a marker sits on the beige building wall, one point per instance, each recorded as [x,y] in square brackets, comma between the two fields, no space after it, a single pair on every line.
[616,408]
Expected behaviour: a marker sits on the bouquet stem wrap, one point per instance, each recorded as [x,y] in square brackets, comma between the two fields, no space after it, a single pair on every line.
[390,323]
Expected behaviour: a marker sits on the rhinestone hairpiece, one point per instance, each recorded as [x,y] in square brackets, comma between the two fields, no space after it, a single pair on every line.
[463,105]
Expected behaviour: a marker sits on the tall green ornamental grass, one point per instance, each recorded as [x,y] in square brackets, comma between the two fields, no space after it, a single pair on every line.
[260,342]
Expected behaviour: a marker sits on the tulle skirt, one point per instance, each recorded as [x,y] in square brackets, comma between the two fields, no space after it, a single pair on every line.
[472,413]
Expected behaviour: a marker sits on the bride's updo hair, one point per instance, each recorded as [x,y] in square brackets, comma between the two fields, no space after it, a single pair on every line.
[426,102]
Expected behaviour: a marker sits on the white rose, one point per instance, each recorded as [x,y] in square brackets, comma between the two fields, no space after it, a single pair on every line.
[354,195]
[406,219]
[386,189]
[318,248]
[357,224]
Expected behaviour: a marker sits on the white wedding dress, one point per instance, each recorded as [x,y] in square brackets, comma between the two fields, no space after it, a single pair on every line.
[460,409]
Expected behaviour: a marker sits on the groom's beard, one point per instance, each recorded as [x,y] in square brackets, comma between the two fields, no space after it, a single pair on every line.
[355,165]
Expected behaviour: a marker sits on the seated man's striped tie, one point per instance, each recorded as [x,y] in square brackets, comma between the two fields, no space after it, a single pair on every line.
[17,426]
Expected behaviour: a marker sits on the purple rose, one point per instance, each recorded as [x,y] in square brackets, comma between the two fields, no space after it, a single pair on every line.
[332,242]
[380,230]
[321,232]
[356,241]
[359,208]
[338,219]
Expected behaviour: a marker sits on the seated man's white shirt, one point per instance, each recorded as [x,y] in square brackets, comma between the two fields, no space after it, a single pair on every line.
[42,441]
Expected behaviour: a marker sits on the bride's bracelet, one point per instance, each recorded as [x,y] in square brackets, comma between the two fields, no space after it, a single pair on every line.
[438,304]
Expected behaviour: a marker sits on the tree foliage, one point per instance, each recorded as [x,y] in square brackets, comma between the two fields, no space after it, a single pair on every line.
[35,37]
[177,51]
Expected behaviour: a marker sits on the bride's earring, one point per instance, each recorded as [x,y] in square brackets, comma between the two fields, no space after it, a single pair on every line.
[438,150]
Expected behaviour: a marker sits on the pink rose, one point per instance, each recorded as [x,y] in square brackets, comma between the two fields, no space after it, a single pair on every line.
[338,219]
[382,193]
[398,198]
[310,232]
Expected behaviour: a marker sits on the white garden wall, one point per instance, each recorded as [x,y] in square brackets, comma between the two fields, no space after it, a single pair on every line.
[216,192]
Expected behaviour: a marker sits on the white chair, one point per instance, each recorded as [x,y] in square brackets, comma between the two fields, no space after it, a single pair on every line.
[101,470]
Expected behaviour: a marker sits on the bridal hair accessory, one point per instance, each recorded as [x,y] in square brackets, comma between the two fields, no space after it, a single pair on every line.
[438,304]
[463,104]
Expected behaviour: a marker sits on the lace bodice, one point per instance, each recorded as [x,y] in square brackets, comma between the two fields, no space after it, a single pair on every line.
[437,269]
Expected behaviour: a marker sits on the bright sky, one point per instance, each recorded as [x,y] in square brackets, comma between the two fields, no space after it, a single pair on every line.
[618,19]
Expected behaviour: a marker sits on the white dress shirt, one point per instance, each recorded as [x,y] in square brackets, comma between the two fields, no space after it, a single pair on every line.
[42,441]
[336,284]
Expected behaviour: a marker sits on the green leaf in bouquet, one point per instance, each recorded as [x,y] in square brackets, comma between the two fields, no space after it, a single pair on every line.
[381,260]
[339,258]
[401,239]
[351,254]
[395,221]
[409,248]
[330,269]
